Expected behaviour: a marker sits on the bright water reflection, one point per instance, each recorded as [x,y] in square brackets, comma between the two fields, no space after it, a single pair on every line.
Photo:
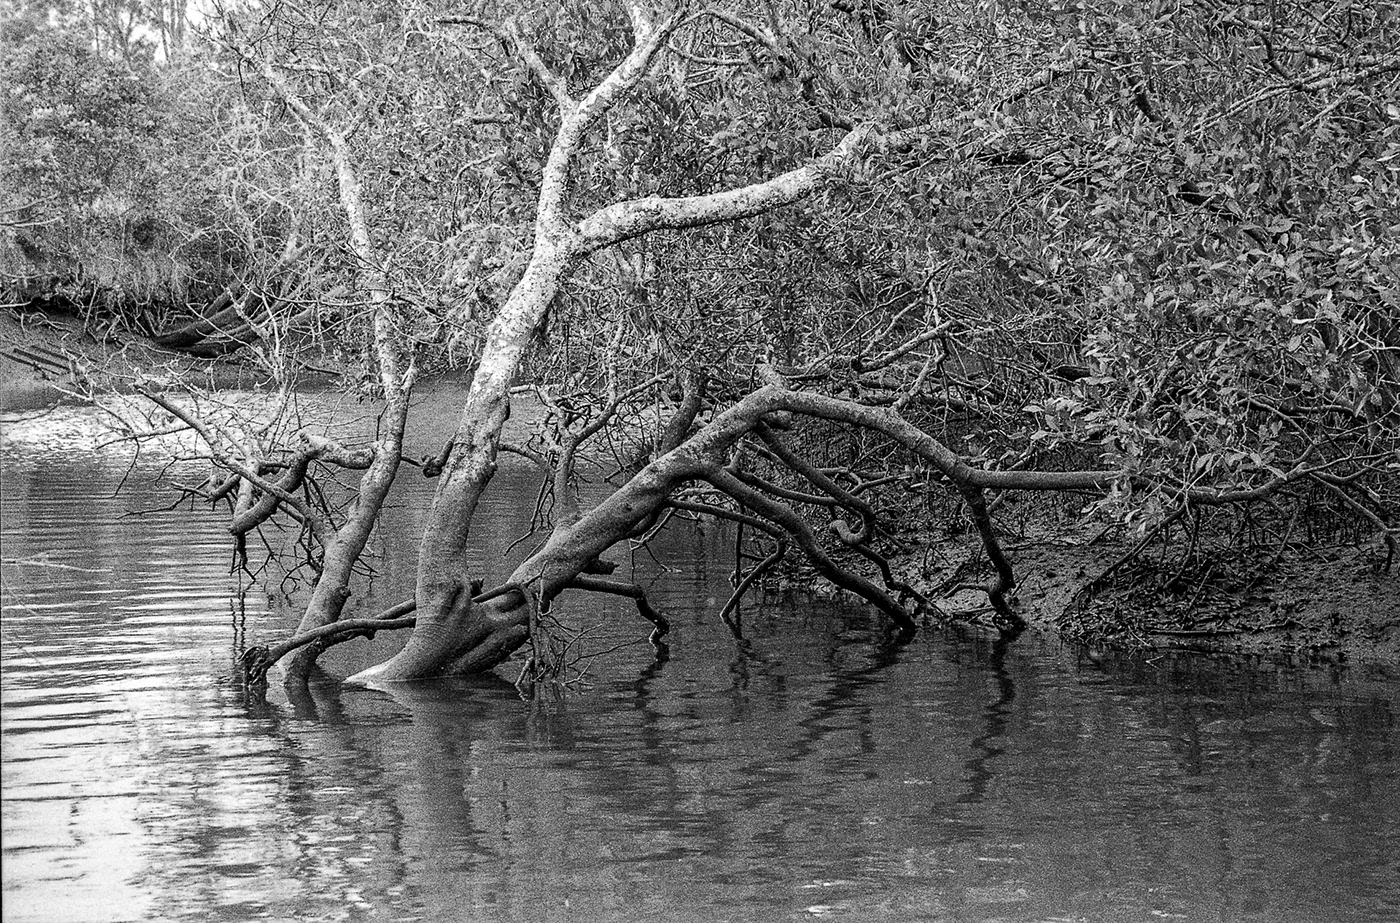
[814,772]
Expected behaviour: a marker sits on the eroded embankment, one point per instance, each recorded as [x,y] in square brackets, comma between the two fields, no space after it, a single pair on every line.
[1317,603]
[47,358]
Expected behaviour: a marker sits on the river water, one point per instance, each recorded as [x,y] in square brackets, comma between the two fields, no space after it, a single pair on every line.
[811,771]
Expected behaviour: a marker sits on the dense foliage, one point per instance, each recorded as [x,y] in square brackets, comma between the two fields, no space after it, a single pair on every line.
[1177,260]
[113,180]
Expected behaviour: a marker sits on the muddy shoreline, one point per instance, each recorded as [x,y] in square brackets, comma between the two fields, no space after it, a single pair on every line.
[46,358]
[1322,604]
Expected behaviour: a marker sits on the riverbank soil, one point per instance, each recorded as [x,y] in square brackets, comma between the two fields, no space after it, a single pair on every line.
[46,357]
[1331,602]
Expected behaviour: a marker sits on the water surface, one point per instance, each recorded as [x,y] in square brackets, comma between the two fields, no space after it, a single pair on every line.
[812,771]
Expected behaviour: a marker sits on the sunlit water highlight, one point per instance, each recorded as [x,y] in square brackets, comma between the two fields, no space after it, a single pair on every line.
[812,772]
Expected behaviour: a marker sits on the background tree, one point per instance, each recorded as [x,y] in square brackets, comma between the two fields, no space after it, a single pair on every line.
[112,172]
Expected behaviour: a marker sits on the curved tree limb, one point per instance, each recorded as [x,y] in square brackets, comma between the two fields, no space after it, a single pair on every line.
[753,576]
[806,540]
[814,474]
[661,627]
[258,660]
[719,512]
[859,543]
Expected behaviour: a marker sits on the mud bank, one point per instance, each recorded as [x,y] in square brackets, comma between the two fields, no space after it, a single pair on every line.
[1333,603]
[50,358]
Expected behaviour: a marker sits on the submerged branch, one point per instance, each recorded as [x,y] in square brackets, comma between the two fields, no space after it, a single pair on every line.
[258,660]
[752,577]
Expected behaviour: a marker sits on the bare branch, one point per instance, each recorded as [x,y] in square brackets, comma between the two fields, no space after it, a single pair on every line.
[802,534]
[632,591]
[752,577]
[249,475]
[814,474]
[258,660]
[626,220]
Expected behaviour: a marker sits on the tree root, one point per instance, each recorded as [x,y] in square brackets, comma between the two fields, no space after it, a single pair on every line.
[258,660]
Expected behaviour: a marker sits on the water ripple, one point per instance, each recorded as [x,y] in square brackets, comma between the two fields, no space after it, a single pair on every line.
[815,772]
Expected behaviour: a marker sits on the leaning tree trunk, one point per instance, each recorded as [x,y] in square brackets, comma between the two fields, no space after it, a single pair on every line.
[463,637]
[341,552]
[447,620]
[342,547]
